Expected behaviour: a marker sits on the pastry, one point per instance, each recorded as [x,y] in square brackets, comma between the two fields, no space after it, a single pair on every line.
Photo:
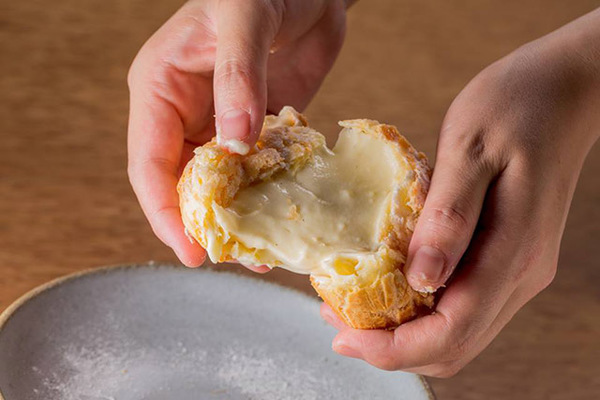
[344,215]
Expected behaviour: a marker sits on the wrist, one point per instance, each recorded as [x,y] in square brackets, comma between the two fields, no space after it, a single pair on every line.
[578,44]
[568,61]
[553,94]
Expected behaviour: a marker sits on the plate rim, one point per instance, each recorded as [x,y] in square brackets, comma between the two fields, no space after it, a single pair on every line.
[36,291]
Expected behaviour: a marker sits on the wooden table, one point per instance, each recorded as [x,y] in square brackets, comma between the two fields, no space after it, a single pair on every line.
[66,204]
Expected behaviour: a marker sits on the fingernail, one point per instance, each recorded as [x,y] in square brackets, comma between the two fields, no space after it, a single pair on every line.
[426,269]
[235,146]
[340,346]
[234,127]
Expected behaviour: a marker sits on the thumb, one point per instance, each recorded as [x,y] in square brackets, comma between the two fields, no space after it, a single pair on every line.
[245,32]
[447,221]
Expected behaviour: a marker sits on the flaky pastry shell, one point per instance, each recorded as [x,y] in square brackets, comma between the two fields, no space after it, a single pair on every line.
[378,296]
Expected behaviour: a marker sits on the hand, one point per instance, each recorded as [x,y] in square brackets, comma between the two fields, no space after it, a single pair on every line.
[232,58]
[509,155]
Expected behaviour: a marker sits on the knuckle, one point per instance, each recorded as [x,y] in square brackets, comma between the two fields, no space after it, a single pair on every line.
[472,141]
[145,60]
[270,13]
[154,218]
[547,276]
[386,363]
[533,264]
[139,170]
[134,173]
[157,214]
[131,174]
[476,146]
[479,147]
[233,72]
[194,22]
[381,351]
[519,271]
[274,12]
[457,345]
[450,219]
[459,338]
[130,75]
[133,71]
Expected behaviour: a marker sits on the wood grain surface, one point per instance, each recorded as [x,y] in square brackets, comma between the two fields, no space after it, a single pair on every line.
[66,204]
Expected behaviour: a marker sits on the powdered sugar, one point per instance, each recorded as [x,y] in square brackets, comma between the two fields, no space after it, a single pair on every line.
[174,334]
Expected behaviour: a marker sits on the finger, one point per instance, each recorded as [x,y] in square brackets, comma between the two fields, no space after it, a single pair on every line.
[261,269]
[245,32]
[448,218]
[489,274]
[296,71]
[462,315]
[331,318]
[450,368]
[465,311]
[527,289]
[155,140]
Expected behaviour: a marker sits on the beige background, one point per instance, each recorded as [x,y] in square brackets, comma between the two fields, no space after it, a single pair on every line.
[65,202]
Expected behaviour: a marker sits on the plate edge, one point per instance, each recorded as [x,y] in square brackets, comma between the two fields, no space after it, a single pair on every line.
[29,295]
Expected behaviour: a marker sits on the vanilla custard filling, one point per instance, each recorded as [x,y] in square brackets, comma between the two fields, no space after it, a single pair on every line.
[323,217]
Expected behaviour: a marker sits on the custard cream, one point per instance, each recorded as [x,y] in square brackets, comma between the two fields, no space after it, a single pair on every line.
[322,217]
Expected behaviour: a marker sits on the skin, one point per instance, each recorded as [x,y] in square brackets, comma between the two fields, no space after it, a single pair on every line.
[186,74]
[509,154]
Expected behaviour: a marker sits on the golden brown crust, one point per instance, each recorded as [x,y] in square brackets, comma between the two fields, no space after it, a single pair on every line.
[388,302]
[380,299]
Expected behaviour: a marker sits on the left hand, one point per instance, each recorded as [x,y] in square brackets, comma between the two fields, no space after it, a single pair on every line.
[509,156]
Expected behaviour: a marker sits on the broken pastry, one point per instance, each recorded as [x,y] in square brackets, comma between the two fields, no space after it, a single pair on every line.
[344,215]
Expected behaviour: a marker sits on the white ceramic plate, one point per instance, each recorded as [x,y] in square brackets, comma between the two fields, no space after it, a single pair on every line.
[171,333]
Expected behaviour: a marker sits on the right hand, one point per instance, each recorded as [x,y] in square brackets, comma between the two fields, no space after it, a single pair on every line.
[217,66]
